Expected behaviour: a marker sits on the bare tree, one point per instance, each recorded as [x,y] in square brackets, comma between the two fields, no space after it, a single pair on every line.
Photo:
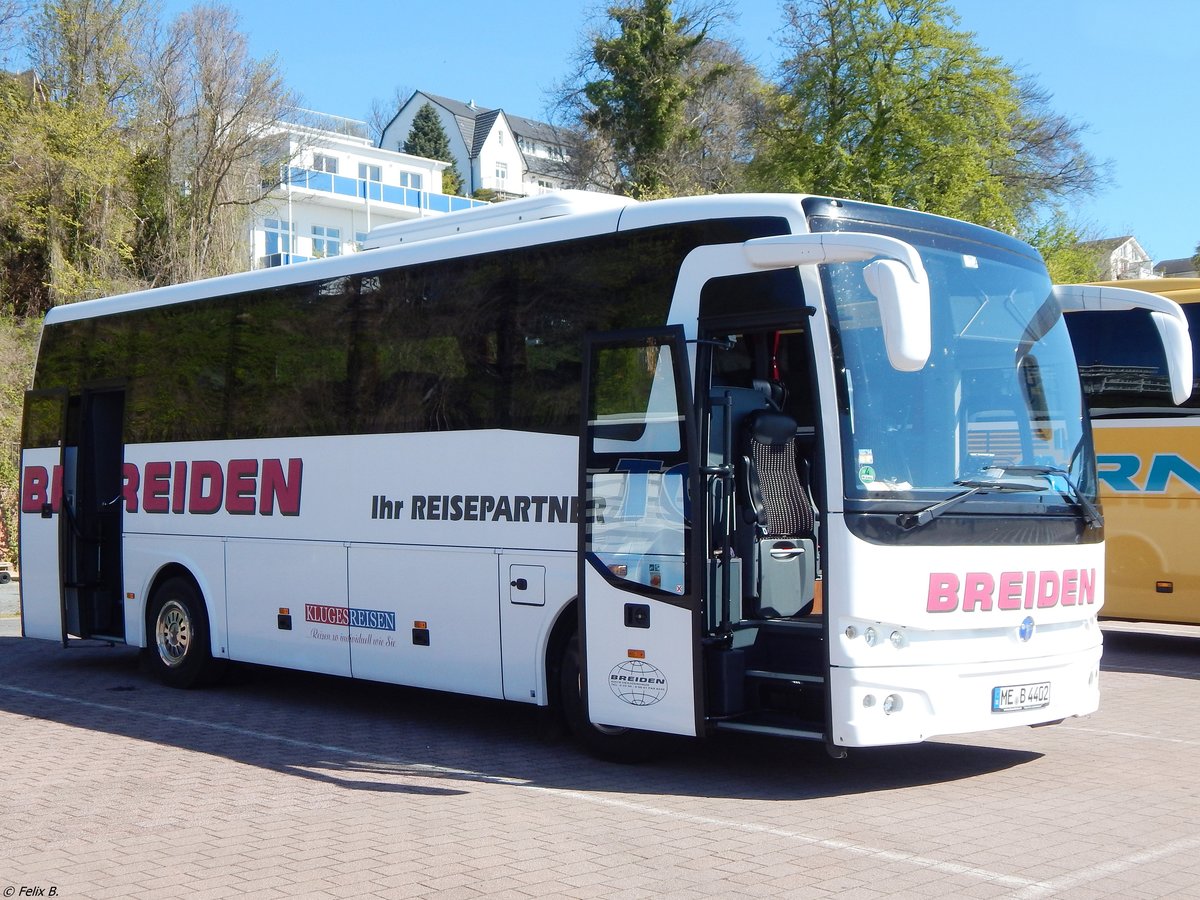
[383,111]
[85,51]
[218,145]
[11,14]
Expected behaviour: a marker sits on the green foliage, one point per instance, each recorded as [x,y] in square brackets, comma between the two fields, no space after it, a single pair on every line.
[891,102]
[18,345]
[64,210]
[645,72]
[1058,240]
[452,181]
[428,138]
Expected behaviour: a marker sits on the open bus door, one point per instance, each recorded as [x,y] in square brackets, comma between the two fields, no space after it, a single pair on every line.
[90,523]
[71,515]
[43,445]
[639,578]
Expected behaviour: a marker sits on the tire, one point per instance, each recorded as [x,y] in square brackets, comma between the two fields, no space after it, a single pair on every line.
[178,636]
[623,745]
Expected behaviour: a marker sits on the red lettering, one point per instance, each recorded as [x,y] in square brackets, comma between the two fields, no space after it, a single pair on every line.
[326,615]
[131,480]
[275,487]
[1030,589]
[943,592]
[158,487]
[1010,590]
[206,487]
[980,586]
[1047,590]
[241,485]
[35,489]
[179,483]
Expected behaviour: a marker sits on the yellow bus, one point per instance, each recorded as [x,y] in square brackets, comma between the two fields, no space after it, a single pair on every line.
[1148,455]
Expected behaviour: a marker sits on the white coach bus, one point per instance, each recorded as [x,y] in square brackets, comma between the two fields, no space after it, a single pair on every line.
[777,464]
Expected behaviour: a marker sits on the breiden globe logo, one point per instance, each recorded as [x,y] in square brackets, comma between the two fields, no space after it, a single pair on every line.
[637,683]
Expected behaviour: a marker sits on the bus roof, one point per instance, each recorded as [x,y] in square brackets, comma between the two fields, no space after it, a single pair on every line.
[1181,290]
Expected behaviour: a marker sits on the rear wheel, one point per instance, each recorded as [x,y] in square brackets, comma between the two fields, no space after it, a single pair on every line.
[616,744]
[180,652]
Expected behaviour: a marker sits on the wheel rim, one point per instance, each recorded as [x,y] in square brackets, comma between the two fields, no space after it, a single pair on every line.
[174,633]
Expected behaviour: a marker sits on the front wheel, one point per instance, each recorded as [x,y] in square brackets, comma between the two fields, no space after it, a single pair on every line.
[625,745]
[180,651]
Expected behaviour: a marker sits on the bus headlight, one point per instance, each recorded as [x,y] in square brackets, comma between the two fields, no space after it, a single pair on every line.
[892,703]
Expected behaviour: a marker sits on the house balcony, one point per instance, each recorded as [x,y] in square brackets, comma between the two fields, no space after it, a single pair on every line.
[342,190]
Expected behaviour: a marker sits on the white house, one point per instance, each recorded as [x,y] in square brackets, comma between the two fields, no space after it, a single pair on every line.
[337,187]
[1120,258]
[494,150]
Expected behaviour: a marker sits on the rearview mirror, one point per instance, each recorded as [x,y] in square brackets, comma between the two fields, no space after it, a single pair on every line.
[895,277]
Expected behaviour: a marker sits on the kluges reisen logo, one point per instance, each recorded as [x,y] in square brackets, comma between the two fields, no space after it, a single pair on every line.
[351,617]
[985,592]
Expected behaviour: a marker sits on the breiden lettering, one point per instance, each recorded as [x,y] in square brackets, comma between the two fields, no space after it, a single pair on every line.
[240,487]
[984,592]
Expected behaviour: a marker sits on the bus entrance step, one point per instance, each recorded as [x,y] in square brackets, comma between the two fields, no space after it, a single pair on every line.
[805,734]
[791,677]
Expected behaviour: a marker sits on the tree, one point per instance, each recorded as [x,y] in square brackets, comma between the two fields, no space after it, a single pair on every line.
[65,219]
[1196,259]
[11,12]
[382,112]
[887,100]
[217,146]
[428,138]
[657,103]
[1060,242]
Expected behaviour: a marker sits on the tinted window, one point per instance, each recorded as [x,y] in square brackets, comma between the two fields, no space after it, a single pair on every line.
[1121,359]
[490,341]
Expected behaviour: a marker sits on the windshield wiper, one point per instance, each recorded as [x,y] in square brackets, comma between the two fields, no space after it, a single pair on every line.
[909,521]
[1074,495]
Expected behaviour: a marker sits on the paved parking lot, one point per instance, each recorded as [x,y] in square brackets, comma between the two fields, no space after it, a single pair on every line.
[278,784]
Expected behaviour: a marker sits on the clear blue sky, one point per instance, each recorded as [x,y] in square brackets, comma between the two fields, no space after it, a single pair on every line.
[1127,70]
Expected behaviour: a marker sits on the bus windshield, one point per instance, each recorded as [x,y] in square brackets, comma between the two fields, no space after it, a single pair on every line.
[1000,391]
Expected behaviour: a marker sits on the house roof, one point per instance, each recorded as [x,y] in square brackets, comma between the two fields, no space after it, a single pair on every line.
[476,122]
[1106,245]
[1177,267]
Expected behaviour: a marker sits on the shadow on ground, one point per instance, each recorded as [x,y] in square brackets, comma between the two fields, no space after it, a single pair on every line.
[375,737]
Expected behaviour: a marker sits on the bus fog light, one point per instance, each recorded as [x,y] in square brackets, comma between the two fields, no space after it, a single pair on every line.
[870,637]
[851,632]
[892,703]
[868,701]
[897,639]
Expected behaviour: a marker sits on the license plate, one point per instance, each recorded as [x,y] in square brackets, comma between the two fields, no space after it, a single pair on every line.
[1020,696]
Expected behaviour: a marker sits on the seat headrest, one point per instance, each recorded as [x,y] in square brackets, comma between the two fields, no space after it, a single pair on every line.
[767,427]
